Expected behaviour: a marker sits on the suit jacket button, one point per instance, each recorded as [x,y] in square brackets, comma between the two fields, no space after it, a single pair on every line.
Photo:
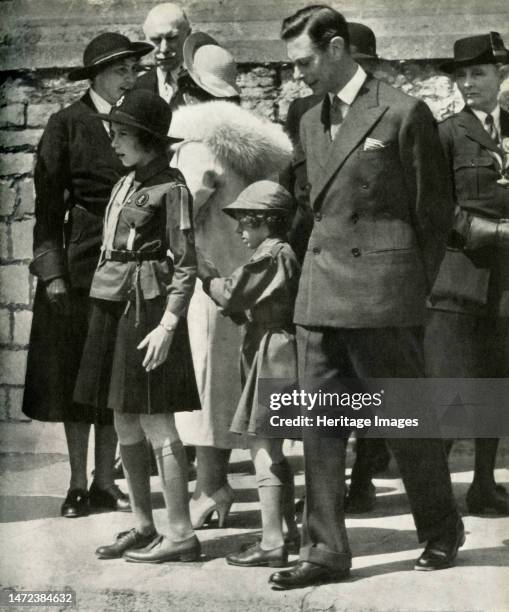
[318,216]
[365,186]
[354,217]
[316,250]
[356,252]
[307,187]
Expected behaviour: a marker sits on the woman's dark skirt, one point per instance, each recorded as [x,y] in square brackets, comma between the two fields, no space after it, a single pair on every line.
[54,356]
[111,373]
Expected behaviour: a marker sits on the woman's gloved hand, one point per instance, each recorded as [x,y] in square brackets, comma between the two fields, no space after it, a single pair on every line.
[58,296]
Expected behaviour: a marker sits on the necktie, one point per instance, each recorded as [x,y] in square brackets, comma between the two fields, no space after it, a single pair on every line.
[489,123]
[335,116]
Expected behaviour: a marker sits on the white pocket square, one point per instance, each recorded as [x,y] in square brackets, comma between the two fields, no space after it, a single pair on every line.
[373,143]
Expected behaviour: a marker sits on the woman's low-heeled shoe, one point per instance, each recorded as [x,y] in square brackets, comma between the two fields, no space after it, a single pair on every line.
[255,556]
[202,511]
[111,498]
[75,504]
[161,550]
[478,502]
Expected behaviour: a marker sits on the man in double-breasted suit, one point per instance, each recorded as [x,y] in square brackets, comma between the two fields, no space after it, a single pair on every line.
[381,206]
[166,27]
[468,331]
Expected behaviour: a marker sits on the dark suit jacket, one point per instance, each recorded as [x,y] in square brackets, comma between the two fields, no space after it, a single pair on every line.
[294,178]
[75,171]
[381,216]
[148,80]
[474,281]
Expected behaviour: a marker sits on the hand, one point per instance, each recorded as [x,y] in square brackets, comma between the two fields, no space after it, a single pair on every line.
[158,344]
[58,296]
[205,267]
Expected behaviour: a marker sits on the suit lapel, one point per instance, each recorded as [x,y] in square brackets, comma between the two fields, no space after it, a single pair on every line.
[475,130]
[362,115]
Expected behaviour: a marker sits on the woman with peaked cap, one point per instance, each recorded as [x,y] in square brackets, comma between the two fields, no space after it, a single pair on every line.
[468,332]
[225,149]
[75,171]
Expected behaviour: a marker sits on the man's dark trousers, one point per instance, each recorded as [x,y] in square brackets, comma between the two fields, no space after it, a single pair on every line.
[390,352]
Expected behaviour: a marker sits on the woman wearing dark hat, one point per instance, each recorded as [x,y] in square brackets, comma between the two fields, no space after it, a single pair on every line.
[137,360]
[75,171]
[468,332]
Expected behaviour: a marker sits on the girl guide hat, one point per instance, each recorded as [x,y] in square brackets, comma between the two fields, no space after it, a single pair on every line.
[106,49]
[481,49]
[262,197]
[211,66]
[142,109]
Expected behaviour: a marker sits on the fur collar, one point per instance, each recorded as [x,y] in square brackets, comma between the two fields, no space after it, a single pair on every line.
[254,147]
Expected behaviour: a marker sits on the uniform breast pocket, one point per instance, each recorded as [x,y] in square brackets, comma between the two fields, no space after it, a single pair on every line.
[475,177]
[139,227]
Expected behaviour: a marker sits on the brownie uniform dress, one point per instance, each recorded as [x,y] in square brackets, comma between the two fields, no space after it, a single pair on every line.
[264,289]
[148,217]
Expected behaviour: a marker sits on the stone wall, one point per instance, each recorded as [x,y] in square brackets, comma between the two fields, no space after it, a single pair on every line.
[26,101]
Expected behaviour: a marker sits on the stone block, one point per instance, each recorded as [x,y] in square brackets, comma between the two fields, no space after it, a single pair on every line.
[5,326]
[12,367]
[14,284]
[22,239]
[4,406]
[38,114]
[4,241]
[16,163]
[22,326]
[26,199]
[23,139]
[12,115]
[7,199]
[15,404]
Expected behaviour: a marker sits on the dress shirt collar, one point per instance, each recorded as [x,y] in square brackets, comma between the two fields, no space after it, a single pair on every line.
[162,84]
[495,113]
[351,90]
[102,107]
[100,103]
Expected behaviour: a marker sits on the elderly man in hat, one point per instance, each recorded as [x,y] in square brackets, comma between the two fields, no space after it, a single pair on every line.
[381,207]
[75,172]
[468,332]
[166,27]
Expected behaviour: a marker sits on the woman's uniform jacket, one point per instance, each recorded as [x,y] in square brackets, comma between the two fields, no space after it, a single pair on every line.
[75,172]
[473,280]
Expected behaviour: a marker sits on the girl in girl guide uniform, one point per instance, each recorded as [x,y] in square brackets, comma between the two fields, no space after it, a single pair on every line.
[137,359]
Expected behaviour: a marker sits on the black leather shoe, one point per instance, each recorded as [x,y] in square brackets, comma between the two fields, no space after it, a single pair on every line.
[162,549]
[255,556]
[111,498]
[75,504]
[360,500]
[126,540]
[441,552]
[306,574]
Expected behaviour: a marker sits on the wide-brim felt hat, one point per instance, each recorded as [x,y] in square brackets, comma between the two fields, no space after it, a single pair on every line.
[262,196]
[210,66]
[362,41]
[145,110]
[106,49]
[480,49]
